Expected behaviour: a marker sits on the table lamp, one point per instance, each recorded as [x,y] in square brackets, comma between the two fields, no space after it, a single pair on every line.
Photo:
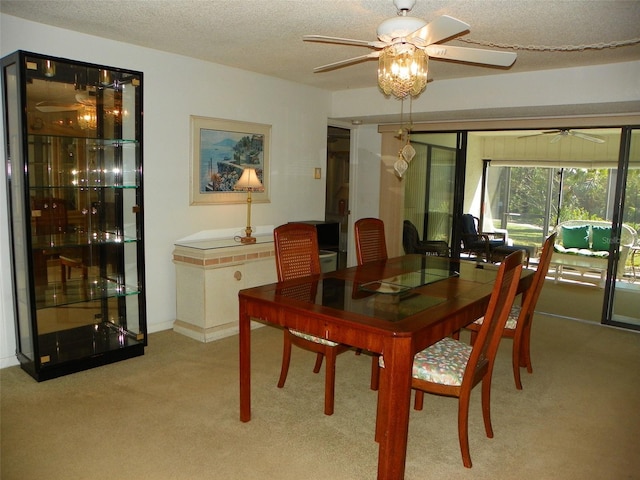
[248,182]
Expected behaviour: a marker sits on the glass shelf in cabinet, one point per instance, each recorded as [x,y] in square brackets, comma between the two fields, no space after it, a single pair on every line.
[79,239]
[80,290]
[90,141]
[59,347]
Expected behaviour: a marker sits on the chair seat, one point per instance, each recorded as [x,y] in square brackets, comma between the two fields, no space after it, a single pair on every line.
[512,321]
[443,362]
[313,338]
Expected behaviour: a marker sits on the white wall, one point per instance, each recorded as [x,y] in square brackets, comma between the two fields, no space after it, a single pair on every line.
[176,87]
[596,90]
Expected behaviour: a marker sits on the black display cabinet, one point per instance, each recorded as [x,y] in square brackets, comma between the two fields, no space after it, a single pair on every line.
[73,140]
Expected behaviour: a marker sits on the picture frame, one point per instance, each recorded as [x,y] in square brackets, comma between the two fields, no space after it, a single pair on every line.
[220,149]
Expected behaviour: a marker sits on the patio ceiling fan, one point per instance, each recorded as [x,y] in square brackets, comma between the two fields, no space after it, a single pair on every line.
[412,32]
[559,134]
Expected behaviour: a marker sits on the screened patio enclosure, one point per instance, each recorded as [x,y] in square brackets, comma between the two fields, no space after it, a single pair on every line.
[525,182]
[531,182]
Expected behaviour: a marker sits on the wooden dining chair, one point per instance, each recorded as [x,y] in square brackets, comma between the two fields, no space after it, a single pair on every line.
[371,246]
[452,368]
[370,241]
[297,255]
[518,326]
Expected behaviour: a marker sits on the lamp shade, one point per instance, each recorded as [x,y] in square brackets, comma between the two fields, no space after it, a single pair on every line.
[249,181]
[402,70]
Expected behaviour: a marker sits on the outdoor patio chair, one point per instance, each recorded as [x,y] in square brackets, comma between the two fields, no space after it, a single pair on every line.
[412,244]
[478,243]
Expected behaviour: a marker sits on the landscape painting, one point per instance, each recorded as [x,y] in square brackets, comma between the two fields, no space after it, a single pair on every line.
[220,151]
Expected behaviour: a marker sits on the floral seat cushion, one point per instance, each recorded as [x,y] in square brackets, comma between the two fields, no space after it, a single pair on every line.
[443,362]
[313,338]
[512,321]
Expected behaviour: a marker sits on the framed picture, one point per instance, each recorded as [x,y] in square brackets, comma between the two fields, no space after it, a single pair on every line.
[220,150]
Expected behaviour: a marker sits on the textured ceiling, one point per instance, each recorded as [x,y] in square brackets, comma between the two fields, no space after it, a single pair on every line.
[265,36]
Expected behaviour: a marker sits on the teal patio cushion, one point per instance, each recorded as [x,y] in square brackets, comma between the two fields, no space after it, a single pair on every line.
[600,238]
[575,237]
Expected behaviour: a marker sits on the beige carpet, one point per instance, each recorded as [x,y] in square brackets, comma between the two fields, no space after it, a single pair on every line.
[173,414]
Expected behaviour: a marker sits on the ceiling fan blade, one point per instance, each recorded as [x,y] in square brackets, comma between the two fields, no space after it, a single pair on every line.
[348,61]
[472,55]
[440,29]
[584,136]
[557,138]
[546,132]
[343,41]
[532,135]
[51,107]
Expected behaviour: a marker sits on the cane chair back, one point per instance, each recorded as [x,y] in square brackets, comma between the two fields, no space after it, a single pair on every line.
[370,241]
[297,252]
[371,246]
[297,255]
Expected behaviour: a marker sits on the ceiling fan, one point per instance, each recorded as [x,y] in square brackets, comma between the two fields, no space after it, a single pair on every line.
[560,134]
[415,32]
[83,99]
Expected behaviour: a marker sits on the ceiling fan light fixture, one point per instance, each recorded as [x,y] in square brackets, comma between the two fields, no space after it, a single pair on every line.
[402,70]
[87,118]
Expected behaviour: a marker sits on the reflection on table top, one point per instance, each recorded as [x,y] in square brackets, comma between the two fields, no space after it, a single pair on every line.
[388,291]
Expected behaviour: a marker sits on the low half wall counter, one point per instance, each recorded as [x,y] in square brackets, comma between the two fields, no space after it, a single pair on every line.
[209,275]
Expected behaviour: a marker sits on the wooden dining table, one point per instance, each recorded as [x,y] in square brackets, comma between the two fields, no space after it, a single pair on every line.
[394,308]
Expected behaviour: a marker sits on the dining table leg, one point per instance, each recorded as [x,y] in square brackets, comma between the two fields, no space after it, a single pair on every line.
[245,363]
[394,402]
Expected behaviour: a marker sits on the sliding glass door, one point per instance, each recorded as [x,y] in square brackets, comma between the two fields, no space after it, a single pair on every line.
[534,182]
[429,186]
[622,306]
[523,201]
[526,183]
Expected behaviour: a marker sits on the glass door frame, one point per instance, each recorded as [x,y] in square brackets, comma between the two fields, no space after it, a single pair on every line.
[624,159]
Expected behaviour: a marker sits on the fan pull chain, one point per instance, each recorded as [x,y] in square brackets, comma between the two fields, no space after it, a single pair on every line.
[407,152]
[401,165]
